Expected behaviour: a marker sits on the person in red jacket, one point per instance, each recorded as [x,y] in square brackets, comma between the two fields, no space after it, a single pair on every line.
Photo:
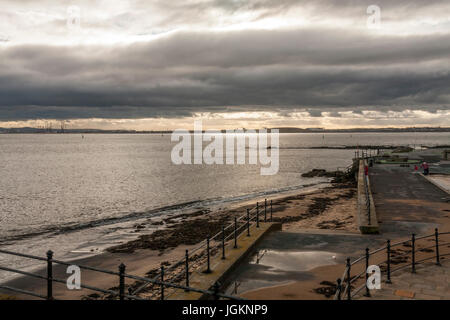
[426,168]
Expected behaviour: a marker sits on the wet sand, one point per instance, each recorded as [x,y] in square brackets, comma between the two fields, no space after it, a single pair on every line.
[301,290]
[332,208]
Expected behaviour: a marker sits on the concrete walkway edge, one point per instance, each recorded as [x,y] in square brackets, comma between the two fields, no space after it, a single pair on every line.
[434,183]
[365,226]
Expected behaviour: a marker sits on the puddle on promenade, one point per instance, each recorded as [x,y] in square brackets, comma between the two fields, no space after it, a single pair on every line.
[275,261]
[268,267]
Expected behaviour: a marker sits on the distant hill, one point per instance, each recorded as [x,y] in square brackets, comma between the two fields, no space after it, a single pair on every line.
[282,130]
[322,130]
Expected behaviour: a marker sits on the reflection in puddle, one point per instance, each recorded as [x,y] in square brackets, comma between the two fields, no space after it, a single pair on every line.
[276,261]
[270,267]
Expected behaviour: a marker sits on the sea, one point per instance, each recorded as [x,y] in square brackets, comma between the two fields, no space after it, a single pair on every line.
[80,194]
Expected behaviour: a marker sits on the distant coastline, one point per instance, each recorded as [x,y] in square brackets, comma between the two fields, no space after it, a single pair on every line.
[282,130]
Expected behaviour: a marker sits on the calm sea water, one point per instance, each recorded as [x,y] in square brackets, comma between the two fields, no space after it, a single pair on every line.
[77,196]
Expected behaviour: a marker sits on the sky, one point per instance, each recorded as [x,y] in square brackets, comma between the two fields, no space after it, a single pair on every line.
[160,65]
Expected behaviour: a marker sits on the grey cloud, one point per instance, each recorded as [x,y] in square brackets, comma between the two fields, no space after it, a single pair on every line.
[315,113]
[314,69]
[192,72]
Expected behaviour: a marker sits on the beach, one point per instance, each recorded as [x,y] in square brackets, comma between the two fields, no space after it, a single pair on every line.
[331,207]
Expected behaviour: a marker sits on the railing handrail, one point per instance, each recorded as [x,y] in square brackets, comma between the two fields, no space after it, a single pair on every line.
[343,282]
[203,245]
[367,194]
[249,220]
[112,292]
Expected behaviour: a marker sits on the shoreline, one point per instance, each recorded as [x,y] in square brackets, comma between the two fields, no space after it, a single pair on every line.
[126,229]
[185,231]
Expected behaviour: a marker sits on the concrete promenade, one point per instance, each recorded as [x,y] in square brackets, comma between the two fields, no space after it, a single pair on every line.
[401,195]
[430,282]
[293,264]
[407,203]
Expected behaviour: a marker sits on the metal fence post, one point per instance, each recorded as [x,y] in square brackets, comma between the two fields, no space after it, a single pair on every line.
[162,282]
[122,282]
[265,210]
[413,253]
[436,236]
[248,222]
[187,269]
[257,215]
[49,275]
[388,249]
[223,242]
[349,295]
[216,288]
[367,294]
[339,288]
[235,232]
[270,210]
[208,270]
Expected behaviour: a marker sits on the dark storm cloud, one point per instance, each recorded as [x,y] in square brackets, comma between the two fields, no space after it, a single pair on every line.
[319,70]
[201,72]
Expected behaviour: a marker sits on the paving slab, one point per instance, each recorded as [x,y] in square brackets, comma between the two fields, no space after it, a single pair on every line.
[426,284]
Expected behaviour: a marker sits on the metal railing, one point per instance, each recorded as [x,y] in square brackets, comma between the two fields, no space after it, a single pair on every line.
[163,280]
[366,153]
[367,195]
[349,286]
[121,274]
[211,246]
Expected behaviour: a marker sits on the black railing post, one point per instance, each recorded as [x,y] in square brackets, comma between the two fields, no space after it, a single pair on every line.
[349,282]
[122,282]
[216,288]
[187,268]
[436,236]
[235,232]
[388,249]
[413,253]
[339,288]
[162,282]
[270,210]
[223,242]
[49,275]
[265,210]
[367,294]
[208,270]
[248,222]
[257,215]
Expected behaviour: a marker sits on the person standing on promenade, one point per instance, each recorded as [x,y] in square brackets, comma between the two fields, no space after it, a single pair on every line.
[425,167]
